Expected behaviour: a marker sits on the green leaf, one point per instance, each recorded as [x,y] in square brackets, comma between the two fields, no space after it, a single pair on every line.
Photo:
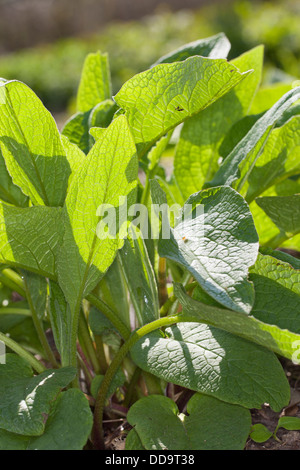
[102,114]
[267,96]
[277,293]
[153,417]
[239,163]
[279,340]
[260,433]
[117,382]
[291,423]
[76,129]
[108,172]
[67,428]
[197,153]
[36,289]
[236,133]
[210,425]
[133,441]
[29,238]
[60,318]
[94,104]
[159,99]
[157,150]
[11,441]
[31,146]
[19,326]
[217,246]
[74,155]
[101,326]
[25,398]
[284,211]
[279,159]
[216,363]
[215,47]
[95,83]
[282,256]
[112,290]
[9,192]
[140,277]
[214,425]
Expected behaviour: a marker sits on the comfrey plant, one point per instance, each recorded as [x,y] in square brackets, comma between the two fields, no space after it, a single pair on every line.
[173,321]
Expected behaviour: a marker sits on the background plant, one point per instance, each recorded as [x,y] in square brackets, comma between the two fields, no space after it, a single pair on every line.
[52,70]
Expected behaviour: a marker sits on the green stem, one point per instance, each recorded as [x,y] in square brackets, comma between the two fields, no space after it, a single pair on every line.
[116,363]
[39,329]
[15,311]
[35,364]
[83,330]
[110,314]
[168,304]
[146,191]
[11,279]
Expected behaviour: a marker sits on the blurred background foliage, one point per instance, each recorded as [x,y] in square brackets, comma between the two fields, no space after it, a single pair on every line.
[52,70]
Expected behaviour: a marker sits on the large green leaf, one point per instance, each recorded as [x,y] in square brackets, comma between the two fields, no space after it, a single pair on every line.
[197,152]
[284,211]
[279,159]
[281,341]
[214,425]
[67,427]
[217,246]
[31,146]
[277,293]
[216,363]
[154,416]
[29,237]
[108,172]
[157,100]
[94,104]
[267,96]
[95,82]
[156,422]
[140,277]
[25,398]
[215,47]
[239,163]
